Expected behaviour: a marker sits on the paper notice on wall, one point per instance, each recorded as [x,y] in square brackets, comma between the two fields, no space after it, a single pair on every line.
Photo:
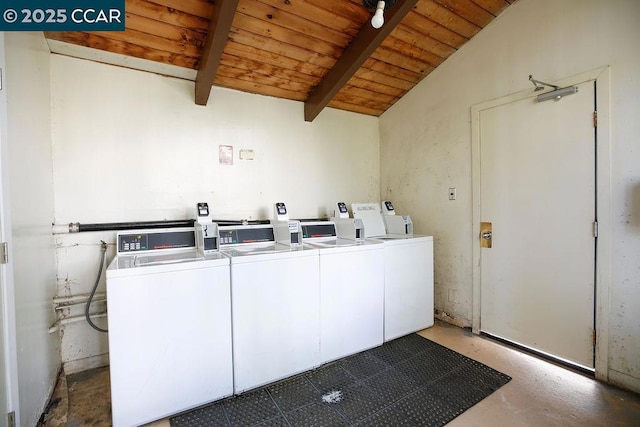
[247,154]
[225,154]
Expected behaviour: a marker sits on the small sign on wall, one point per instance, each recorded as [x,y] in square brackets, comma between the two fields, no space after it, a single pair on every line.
[225,154]
[247,154]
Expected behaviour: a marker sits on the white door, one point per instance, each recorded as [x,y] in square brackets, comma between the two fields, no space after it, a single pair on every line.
[538,190]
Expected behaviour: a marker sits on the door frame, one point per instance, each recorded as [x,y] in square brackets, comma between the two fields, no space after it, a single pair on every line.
[7,286]
[602,76]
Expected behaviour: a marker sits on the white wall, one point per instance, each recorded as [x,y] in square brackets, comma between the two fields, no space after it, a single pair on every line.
[133,146]
[31,180]
[426,143]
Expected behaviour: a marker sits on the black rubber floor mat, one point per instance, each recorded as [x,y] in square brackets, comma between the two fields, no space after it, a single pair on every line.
[410,381]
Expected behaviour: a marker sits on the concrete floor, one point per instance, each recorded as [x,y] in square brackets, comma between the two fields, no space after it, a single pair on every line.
[540,393]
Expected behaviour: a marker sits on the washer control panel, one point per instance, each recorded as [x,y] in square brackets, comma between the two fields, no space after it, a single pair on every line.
[246,234]
[136,241]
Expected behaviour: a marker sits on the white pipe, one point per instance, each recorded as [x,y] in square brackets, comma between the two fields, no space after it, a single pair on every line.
[75,299]
[74,319]
[64,306]
[60,229]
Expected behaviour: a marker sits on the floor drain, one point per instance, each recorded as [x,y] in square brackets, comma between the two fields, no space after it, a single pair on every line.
[333,396]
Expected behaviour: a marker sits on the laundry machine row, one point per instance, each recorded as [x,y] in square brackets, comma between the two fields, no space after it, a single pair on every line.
[301,297]
[246,305]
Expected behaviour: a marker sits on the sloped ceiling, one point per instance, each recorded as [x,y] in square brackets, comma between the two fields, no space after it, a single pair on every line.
[321,52]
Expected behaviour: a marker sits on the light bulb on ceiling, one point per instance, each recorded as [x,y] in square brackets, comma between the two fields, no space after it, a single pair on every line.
[378,17]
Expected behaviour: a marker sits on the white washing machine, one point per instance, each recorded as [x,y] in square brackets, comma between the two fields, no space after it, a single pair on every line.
[169,326]
[351,291]
[408,276]
[275,306]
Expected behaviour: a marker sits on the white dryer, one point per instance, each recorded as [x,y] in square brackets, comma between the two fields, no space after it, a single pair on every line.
[351,291]
[275,306]
[408,276]
[169,326]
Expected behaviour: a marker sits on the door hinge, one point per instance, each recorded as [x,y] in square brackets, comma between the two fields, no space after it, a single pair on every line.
[595,229]
[595,119]
[4,253]
[594,338]
[11,419]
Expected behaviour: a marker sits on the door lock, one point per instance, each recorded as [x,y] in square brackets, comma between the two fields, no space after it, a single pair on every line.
[486,234]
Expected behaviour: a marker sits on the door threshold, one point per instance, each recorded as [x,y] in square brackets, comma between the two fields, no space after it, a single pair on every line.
[581,369]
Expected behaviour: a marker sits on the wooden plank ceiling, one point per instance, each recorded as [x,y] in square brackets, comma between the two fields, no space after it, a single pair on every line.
[286,48]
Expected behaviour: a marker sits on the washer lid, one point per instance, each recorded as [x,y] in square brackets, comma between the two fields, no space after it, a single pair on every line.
[165,261]
[401,239]
[259,252]
[248,250]
[166,258]
[339,245]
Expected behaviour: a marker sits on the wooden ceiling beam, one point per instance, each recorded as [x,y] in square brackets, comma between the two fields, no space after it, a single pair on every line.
[219,27]
[355,54]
